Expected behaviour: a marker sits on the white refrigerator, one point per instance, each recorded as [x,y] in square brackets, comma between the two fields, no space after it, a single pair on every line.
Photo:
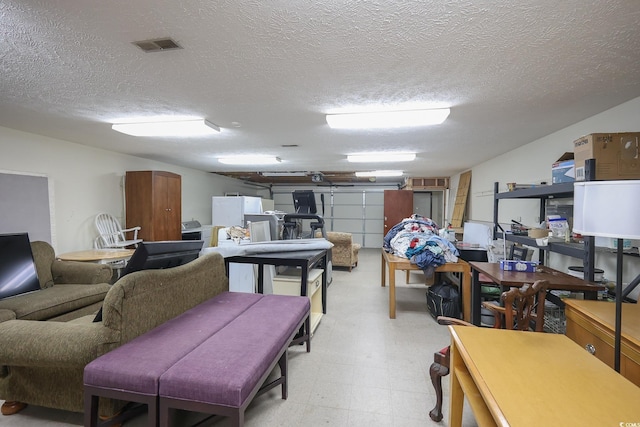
[228,211]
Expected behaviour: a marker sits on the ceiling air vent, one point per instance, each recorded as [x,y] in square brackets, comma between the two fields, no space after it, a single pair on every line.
[157,45]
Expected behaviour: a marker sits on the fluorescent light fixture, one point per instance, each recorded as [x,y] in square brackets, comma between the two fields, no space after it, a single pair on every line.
[381,157]
[250,160]
[389,119]
[378,174]
[283,173]
[178,128]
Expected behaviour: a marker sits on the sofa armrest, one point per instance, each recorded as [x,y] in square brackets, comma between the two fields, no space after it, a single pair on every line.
[53,344]
[76,272]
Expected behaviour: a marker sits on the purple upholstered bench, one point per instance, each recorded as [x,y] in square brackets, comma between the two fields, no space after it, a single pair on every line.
[131,371]
[224,373]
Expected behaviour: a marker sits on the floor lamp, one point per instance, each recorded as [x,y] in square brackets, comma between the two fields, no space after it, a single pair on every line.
[610,209]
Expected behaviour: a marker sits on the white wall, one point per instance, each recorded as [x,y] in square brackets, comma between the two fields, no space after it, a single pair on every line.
[86,181]
[531,164]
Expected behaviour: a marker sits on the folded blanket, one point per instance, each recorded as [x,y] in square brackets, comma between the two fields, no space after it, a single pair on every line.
[249,248]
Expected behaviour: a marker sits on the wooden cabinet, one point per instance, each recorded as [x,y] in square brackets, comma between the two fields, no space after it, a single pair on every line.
[154,202]
[591,325]
[288,283]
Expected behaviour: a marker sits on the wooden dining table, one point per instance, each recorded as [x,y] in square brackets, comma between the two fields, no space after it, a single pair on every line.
[397,263]
[506,279]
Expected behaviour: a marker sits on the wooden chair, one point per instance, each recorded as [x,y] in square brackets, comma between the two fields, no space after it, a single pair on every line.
[112,235]
[527,308]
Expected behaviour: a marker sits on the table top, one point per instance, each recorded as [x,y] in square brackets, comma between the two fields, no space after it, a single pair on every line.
[97,255]
[557,279]
[603,315]
[538,379]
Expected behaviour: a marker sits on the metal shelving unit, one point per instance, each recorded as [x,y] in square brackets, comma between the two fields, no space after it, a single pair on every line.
[584,251]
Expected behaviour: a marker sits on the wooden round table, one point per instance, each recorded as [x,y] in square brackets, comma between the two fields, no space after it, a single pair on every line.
[97,255]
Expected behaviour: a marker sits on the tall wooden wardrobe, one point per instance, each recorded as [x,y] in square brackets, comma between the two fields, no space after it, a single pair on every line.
[154,202]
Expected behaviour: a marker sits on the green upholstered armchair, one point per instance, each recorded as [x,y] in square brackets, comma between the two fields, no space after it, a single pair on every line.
[68,289]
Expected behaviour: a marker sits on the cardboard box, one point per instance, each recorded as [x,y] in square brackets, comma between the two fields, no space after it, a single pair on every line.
[616,155]
[563,170]
[520,266]
[538,233]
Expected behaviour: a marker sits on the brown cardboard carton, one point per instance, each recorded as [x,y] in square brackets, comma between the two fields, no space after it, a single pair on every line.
[616,155]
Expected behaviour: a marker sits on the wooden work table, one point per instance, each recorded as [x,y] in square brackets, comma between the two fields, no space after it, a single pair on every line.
[396,263]
[535,379]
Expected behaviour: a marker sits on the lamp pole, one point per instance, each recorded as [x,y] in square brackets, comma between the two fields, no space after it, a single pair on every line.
[618,327]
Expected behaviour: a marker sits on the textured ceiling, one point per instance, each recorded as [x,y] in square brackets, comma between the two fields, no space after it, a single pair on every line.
[511,72]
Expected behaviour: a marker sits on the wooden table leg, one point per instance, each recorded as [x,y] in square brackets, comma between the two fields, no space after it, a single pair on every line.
[392,291]
[466,295]
[590,295]
[383,279]
[476,304]
[456,395]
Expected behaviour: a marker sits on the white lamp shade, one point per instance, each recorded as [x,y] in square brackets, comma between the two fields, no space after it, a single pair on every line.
[607,209]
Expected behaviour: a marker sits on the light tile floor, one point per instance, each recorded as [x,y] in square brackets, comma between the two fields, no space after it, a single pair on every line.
[364,369]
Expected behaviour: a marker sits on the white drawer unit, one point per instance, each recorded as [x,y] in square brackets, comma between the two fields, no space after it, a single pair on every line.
[289,283]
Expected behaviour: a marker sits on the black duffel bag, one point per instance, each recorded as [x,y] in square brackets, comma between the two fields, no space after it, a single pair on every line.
[443,299]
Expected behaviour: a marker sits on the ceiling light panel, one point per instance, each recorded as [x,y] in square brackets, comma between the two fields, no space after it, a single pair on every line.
[389,119]
[179,128]
[250,160]
[381,157]
[379,173]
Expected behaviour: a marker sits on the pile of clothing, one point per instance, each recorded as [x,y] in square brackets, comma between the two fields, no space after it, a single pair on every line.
[417,239]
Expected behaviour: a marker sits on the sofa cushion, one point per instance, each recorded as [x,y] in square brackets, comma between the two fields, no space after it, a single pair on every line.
[54,301]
